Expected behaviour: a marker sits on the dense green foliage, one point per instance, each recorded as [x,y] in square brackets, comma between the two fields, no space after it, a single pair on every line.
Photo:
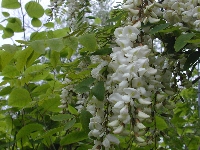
[34,71]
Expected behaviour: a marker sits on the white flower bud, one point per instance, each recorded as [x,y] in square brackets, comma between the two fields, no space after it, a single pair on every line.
[142,115]
[124,110]
[112,139]
[113,123]
[139,139]
[118,130]
[133,11]
[140,125]
[153,20]
[143,101]
[106,143]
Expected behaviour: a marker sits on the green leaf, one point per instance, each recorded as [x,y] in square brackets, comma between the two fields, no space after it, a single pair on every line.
[72,110]
[5,14]
[55,58]
[40,75]
[35,69]
[5,91]
[160,123]
[82,89]
[84,85]
[5,58]
[15,24]
[22,57]
[32,59]
[48,12]
[195,41]
[71,42]
[158,28]
[73,137]
[89,42]
[69,124]
[34,9]
[7,33]
[1,27]
[51,132]
[10,4]
[19,97]
[9,48]
[36,22]
[55,44]
[38,36]
[103,51]
[52,104]
[97,21]
[61,117]
[41,89]
[181,41]
[38,46]
[98,91]
[85,120]
[49,25]
[84,147]
[10,71]
[61,32]
[26,130]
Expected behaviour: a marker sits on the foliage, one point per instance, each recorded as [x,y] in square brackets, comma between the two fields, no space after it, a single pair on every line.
[61,87]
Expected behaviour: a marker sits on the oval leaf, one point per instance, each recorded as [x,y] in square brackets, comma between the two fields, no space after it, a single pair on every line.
[10,4]
[19,97]
[34,9]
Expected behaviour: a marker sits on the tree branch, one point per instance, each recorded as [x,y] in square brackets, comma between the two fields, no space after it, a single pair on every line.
[195,80]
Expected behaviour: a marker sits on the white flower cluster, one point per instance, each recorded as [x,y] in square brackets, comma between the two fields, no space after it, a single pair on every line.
[185,13]
[150,11]
[101,63]
[66,94]
[131,83]
[135,82]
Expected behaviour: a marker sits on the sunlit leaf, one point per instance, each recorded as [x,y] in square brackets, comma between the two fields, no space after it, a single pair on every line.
[72,110]
[36,22]
[89,42]
[38,46]
[22,57]
[15,24]
[19,97]
[9,48]
[71,42]
[49,25]
[10,71]
[160,123]
[55,44]
[5,14]
[34,9]
[7,33]
[54,58]
[52,104]
[10,4]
